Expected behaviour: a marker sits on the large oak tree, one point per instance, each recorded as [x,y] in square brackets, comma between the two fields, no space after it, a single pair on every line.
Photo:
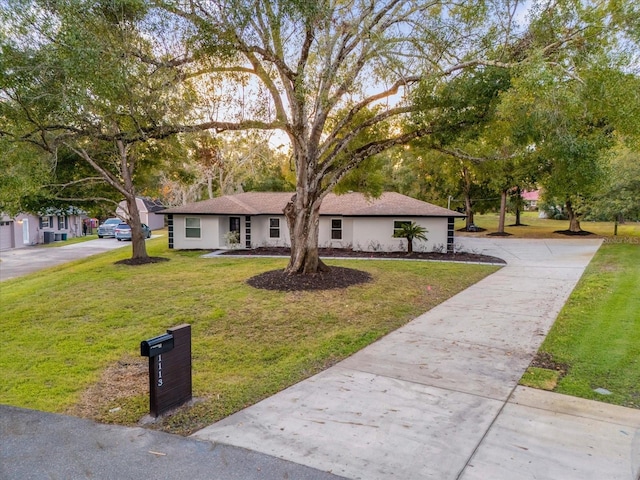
[310,69]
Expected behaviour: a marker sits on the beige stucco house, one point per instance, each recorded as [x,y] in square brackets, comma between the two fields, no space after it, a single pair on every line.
[350,221]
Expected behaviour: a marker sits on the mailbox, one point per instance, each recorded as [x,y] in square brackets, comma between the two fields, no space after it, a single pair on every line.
[169,369]
[157,345]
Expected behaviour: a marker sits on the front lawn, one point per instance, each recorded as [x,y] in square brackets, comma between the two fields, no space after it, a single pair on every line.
[596,338]
[536,227]
[71,334]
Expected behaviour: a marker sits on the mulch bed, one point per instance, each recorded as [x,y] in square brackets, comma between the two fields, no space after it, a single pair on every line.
[340,277]
[581,233]
[336,277]
[141,261]
[345,253]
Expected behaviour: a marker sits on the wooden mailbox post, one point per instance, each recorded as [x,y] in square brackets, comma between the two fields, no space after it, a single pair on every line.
[169,369]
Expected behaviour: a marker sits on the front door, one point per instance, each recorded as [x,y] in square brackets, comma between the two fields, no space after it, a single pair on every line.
[25,232]
[234,227]
[234,224]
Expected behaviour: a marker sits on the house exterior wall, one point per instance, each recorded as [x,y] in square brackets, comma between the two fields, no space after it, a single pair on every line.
[28,229]
[359,233]
[153,220]
[260,232]
[8,233]
[53,228]
[209,233]
[376,234]
[325,238]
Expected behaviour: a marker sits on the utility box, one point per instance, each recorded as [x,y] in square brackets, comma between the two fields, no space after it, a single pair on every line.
[169,369]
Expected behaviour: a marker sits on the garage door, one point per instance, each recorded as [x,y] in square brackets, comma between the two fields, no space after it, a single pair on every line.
[6,235]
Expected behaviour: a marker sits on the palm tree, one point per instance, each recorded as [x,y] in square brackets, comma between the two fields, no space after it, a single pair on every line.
[410,231]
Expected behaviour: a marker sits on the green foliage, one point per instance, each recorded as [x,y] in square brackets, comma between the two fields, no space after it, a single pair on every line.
[411,231]
[540,378]
[620,197]
[23,172]
[458,108]
[83,83]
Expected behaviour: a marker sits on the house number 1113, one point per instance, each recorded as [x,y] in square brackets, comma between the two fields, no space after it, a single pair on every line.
[160,382]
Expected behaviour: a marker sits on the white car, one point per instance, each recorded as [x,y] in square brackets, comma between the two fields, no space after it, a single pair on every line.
[108,228]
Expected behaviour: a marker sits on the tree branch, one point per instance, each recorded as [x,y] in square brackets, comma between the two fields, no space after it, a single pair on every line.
[75,182]
[337,172]
[457,153]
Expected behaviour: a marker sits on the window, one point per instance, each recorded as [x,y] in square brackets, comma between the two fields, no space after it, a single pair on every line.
[192,227]
[62,223]
[336,229]
[274,228]
[397,226]
[44,222]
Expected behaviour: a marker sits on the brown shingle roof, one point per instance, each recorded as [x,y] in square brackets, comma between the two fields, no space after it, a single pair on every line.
[348,205]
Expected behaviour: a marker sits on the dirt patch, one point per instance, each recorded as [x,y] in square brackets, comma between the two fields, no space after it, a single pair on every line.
[127,378]
[545,360]
[141,261]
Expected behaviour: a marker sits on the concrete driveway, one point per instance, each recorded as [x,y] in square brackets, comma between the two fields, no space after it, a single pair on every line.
[21,261]
[439,399]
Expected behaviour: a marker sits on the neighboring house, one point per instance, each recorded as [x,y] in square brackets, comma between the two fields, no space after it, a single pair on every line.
[350,221]
[148,212]
[531,199]
[50,226]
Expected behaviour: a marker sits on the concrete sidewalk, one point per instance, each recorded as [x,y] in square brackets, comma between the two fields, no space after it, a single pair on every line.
[438,398]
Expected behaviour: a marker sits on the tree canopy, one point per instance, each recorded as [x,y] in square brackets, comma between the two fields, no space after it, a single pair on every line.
[344,81]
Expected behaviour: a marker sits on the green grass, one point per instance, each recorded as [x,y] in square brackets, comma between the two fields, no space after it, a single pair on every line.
[536,227]
[69,241]
[64,327]
[540,378]
[598,332]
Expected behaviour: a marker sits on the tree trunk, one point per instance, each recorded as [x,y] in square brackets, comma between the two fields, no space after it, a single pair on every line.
[409,246]
[503,211]
[127,163]
[518,206]
[210,186]
[303,218]
[468,205]
[138,243]
[468,210]
[574,220]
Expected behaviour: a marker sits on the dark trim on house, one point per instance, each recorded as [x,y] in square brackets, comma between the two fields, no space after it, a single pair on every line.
[247,231]
[450,234]
[170,226]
